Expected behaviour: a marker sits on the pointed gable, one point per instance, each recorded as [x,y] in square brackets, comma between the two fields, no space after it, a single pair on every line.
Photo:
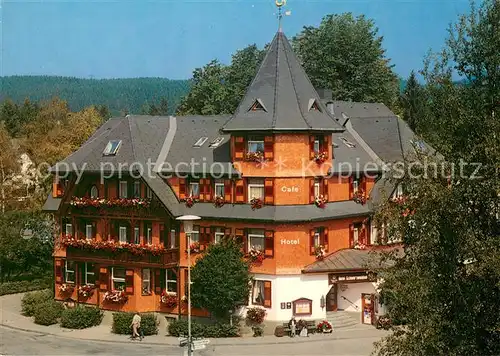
[281,97]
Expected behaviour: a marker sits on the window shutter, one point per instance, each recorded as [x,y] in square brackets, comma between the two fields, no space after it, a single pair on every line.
[267,294]
[94,230]
[208,190]
[227,232]
[240,191]
[311,147]
[368,232]
[59,271]
[351,188]
[129,281]
[269,148]
[363,184]
[205,237]
[201,196]
[326,144]
[130,233]
[324,237]
[158,288]
[269,191]
[239,148]
[182,188]
[163,236]
[103,279]
[311,241]
[163,279]
[240,236]
[269,243]
[351,236]
[311,190]
[325,188]
[227,190]
[116,231]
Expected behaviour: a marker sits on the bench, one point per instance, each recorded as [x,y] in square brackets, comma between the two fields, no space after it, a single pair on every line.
[311,327]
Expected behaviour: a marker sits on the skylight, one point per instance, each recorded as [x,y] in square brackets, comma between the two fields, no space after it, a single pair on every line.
[216,142]
[112,147]
[200,141]
[347,142]
[335,145]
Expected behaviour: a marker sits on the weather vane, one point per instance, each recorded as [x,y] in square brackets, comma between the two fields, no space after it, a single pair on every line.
[280,4]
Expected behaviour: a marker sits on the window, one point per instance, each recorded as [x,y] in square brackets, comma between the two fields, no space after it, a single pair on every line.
[195,234]
[137,189]
[255,189]
[256,144]
[219,234]
[146,281]
[219,188]
[112,147]
[68,229]
[173,238]
[122,190]
[123,234]
[69,276]
[200,142]
[171,281]
[194,189]
[89,273]
[317,147]
[216,142]
[94,192]
[137,235]
[347,142]
[118,278]
[356,231]
[258,106]
[148,233]
[355,185]
[256,239]
[317,187]
[258,293]
[317,237]
[149,193]
[89,231]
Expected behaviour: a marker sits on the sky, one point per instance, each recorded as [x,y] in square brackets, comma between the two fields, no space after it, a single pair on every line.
[170,38]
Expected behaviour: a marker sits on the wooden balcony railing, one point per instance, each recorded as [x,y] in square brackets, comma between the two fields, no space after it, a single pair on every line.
[115,207]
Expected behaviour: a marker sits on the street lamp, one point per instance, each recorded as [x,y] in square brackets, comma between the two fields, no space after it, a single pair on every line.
[187,221]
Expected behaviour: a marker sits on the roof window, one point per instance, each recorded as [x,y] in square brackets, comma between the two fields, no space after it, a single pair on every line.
[347,142]
[313,105]
[112,147]
[216,142]
[200,141]
[257,106]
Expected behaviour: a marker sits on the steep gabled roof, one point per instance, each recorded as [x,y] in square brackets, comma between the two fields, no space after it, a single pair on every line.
[281,97]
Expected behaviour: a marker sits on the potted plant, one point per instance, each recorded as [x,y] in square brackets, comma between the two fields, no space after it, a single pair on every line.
[359,246]
[190,200]
[320,157]
[320,201]
[66,288]
[319,251]
[218,201]
[256,203]
[324,327]
[255,256]
[168,299]
[86,291]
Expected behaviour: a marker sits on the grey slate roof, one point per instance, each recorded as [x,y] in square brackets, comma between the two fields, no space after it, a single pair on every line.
[346,260]
[51,204]
[351,159]
[283,88]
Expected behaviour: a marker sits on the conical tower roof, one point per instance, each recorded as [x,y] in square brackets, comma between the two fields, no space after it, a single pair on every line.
[281,97]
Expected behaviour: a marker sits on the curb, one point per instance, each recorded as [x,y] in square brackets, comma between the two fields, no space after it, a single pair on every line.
[223,343]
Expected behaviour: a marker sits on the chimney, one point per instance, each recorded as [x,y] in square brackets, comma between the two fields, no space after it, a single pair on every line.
[325,94]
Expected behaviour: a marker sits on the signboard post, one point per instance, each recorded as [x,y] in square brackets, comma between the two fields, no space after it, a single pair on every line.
[195,345]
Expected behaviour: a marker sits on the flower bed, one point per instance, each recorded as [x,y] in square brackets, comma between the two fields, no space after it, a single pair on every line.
[320,157]
[84,202]
[168,300]
[255,256]
[320,201]
[86,291]
[218,201]
[112,246]
[324,327]
[256,203]
[115,296]
[359,197]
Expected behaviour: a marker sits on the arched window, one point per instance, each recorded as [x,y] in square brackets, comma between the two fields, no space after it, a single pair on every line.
[94,192]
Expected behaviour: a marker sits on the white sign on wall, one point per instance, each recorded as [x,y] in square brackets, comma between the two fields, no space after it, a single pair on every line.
[290,242]
[286,189]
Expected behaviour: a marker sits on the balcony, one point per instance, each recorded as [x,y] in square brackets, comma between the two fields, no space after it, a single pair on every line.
[110,251]
[115,207]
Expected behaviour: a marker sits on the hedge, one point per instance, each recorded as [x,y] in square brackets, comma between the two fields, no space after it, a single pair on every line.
[81,317]
[48,313]
[25,286]
[122,321]
[180,327]
[31,300]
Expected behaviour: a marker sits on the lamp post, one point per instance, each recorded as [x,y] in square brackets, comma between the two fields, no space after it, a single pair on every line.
[187,221]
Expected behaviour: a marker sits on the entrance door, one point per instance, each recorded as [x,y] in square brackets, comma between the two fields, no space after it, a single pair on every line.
[367,308]
[331,299]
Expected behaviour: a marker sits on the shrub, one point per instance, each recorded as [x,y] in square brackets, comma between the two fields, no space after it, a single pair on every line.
[81,317]
[25,286]
[48,313]
[256,315]
[31,300]
[122,321]
[180,327]
[257,331]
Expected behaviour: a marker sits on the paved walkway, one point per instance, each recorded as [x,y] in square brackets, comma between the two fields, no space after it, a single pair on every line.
[10,308]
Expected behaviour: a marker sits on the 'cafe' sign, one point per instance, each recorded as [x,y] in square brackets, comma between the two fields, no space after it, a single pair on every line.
[286,189]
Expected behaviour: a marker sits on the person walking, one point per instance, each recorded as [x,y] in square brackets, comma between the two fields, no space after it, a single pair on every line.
[136,325]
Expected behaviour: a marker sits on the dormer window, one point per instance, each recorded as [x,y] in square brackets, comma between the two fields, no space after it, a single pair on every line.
[257,106]
[112,147]
[216,143]
[194,189]
[94,192]
[313,105]
[347,142]
[256,144]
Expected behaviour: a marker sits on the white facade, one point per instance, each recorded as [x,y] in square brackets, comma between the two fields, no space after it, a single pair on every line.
[349,296]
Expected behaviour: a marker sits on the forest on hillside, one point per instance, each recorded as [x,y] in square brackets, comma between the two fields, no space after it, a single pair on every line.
[120,96]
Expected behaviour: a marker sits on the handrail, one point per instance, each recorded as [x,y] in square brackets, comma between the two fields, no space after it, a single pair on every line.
[354,305]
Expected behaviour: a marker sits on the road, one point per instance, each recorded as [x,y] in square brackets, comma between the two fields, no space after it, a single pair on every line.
[13,342]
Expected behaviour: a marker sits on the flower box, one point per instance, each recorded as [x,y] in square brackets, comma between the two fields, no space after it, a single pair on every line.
[86,291]
[257,156]
[360,246]
[256,203]
[320,201]
[218,201]
[85,202]
[111,246]
[320,252]
[169,300]
[359,197]
[190,201]
[320,157]
[115,296]
[194,247]
[66,288]
[255,256]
